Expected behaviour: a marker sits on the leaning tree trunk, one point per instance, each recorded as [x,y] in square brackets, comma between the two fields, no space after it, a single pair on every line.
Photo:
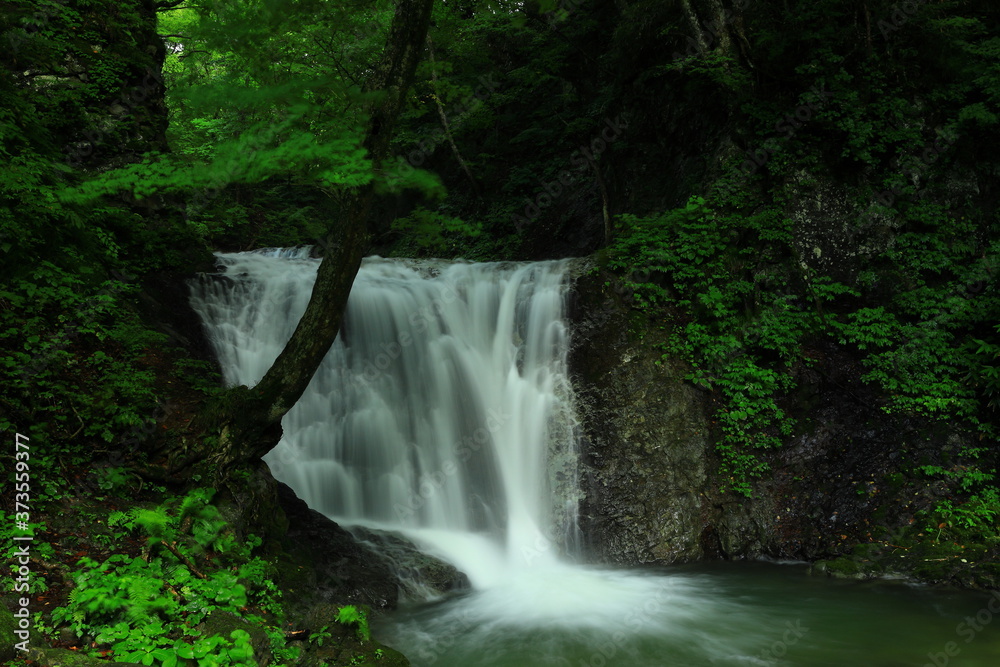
[247,422]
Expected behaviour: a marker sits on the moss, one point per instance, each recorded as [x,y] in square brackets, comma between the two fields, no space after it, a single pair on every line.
[7,625]
[341,644]
[842,568]
[57,657]
[294,574]
[895,481]
[866,552]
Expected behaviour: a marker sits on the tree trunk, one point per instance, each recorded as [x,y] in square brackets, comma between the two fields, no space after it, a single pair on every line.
[247,421]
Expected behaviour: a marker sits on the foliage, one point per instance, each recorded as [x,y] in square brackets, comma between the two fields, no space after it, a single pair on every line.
[435,233]
[733,321]
[973,519]
[78,94]
[73,370]
[116,479]
[351,615]
[149,609]
[741,315]
[267,130]
[319,636]
[975,504]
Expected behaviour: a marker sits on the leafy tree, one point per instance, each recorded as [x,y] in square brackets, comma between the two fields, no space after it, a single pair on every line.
[251,423]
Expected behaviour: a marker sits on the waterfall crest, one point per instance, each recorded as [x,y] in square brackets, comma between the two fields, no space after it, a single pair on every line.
[443,410]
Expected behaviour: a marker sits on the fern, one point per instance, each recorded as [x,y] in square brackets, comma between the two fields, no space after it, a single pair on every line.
[351,615]
[135,606]
[156,523]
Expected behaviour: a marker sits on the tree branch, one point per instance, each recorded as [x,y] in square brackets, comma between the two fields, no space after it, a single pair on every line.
[252,419]
[444,121]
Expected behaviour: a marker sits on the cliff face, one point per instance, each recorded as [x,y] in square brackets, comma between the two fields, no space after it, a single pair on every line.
[650,483]
[841,489]
[646,444]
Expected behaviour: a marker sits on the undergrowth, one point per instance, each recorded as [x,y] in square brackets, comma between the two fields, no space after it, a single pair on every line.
[154,608]
[742,310]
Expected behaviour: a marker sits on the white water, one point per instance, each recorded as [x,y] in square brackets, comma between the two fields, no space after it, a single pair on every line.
[443,410]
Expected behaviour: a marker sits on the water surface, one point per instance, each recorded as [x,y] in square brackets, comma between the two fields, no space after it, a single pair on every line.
[701,615]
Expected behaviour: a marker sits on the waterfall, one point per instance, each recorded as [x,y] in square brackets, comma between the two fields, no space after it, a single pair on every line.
[442,411]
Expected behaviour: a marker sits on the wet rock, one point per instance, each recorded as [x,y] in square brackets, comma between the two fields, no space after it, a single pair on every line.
[839,568]
[846,485]
[420,575]
[324,563]
[645,434]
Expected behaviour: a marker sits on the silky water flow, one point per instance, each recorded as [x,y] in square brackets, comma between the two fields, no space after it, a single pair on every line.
[444,413]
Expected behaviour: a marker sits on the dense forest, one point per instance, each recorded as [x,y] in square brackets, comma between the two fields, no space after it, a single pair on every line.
[778,200]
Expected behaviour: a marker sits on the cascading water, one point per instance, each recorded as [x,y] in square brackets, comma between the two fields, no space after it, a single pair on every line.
[443,411]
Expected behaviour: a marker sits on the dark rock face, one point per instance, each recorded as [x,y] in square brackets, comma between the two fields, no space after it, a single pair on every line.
[7,640]
[844,481]
[324,563]
[847,482]
[328,565]
[646,442]
[418,574]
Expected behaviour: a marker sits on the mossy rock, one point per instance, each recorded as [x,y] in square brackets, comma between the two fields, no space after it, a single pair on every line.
[867,551]
[895,481]
[58,657]
[840,568]
[370,654]
[7,625]
[223,623]
[341,644]
[294,574]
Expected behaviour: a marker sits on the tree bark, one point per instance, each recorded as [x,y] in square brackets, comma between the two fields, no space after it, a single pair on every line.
[248,420]
[609,232]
